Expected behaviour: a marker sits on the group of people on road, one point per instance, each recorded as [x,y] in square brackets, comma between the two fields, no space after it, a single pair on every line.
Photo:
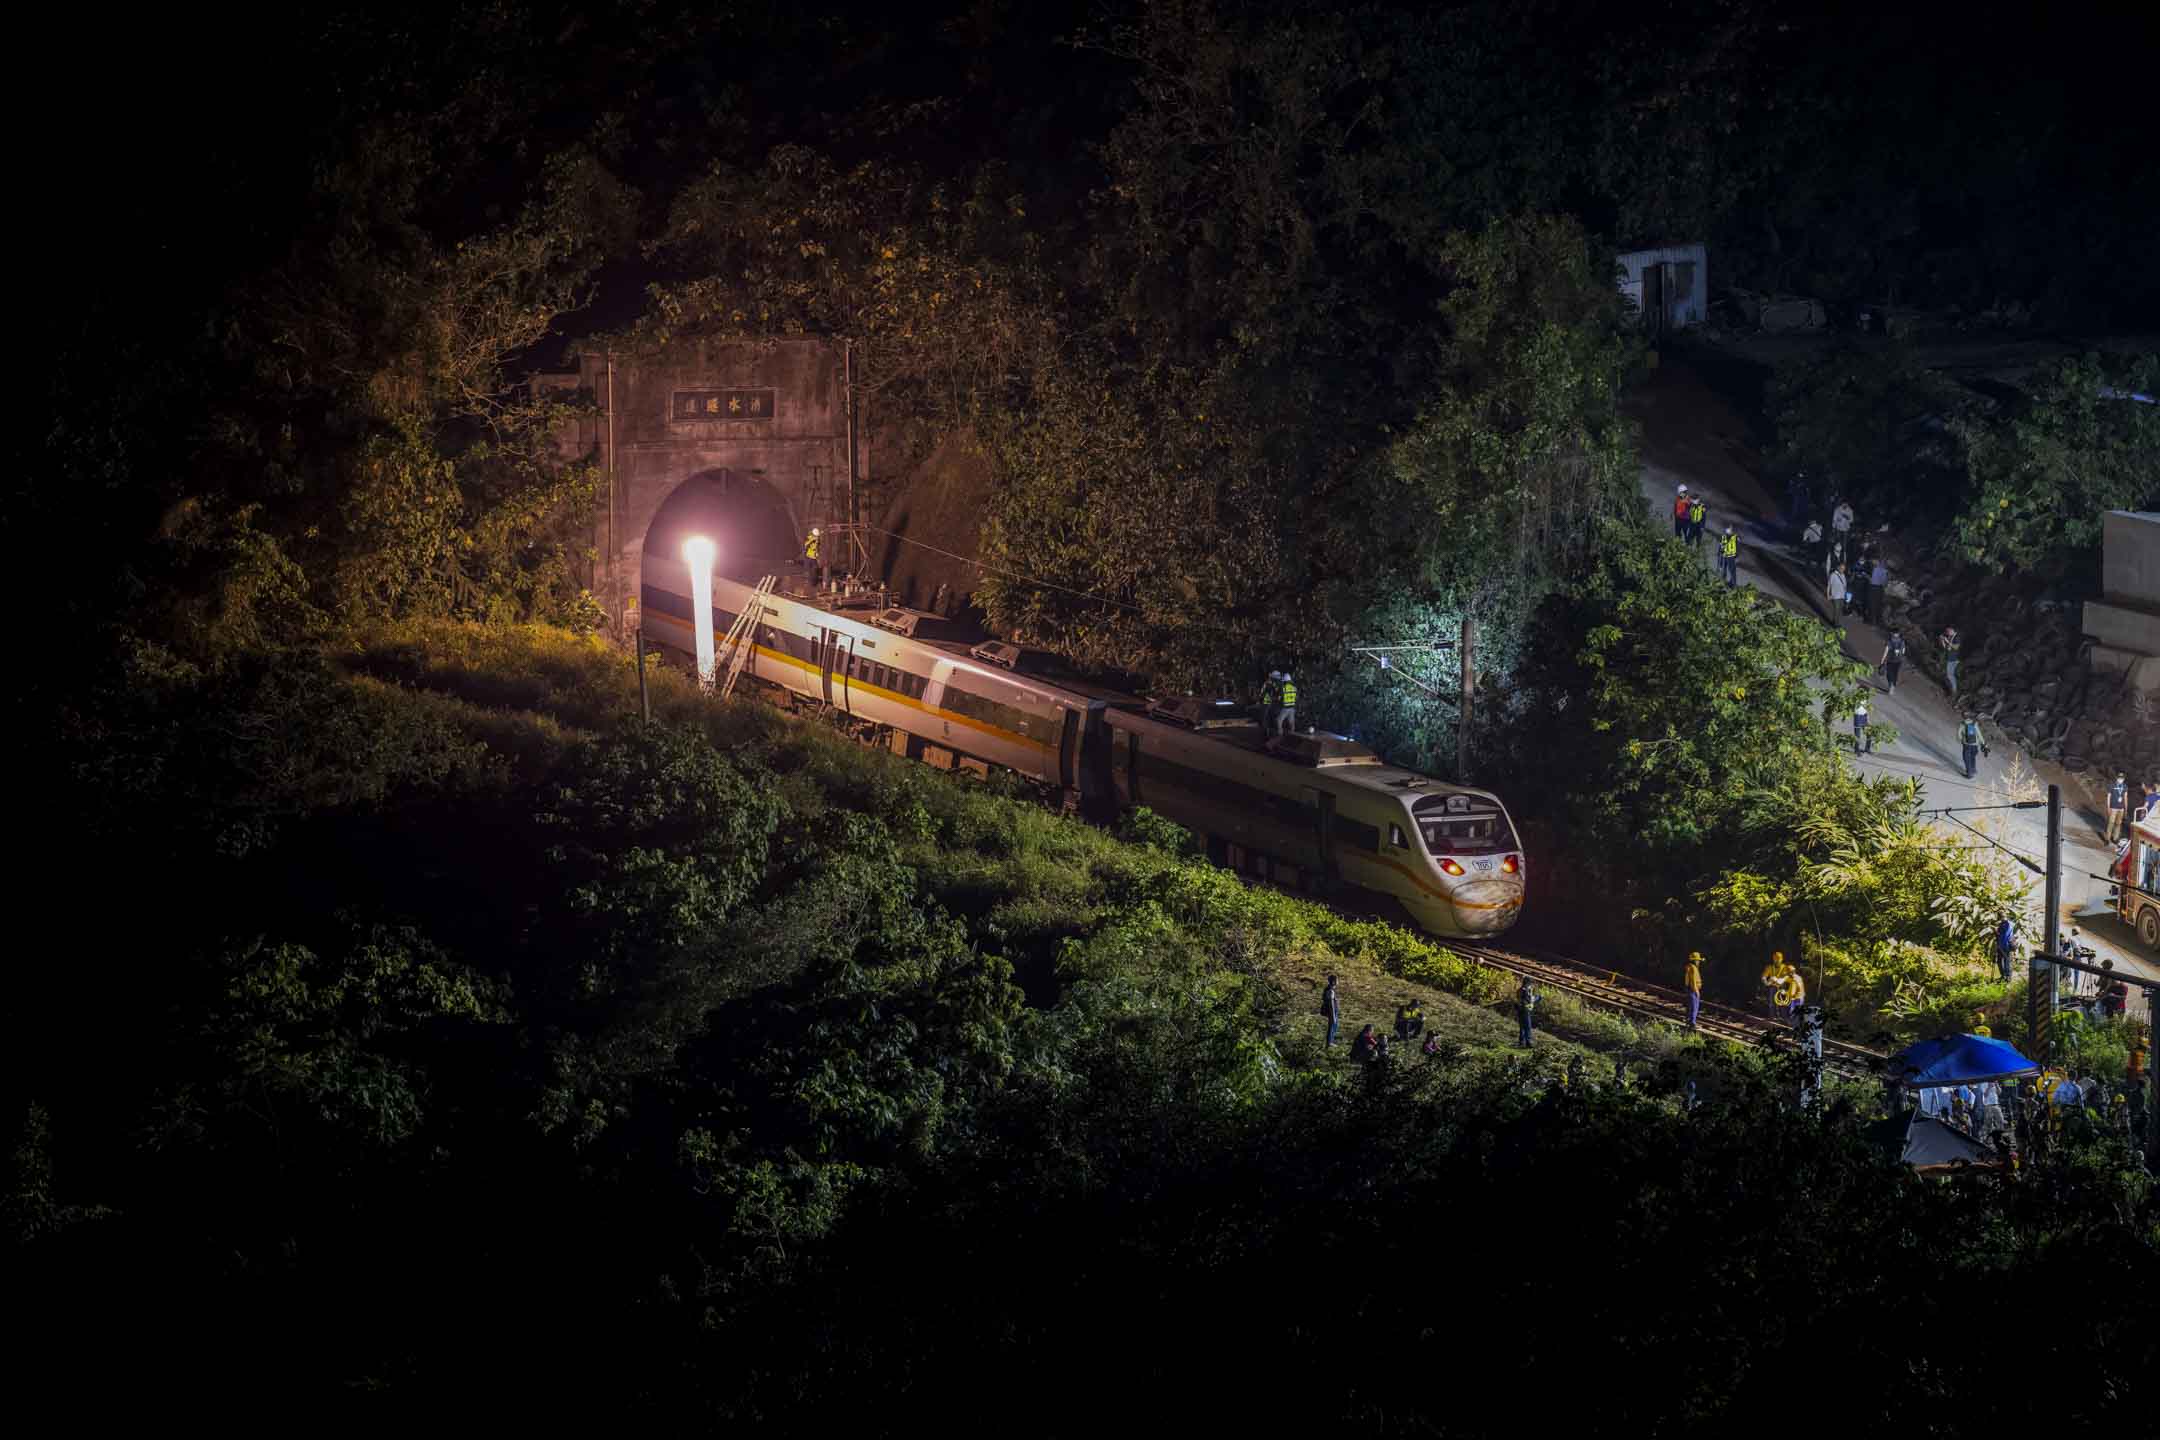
[1690,517]
[1858,586]
[1855,579]
[1972,742]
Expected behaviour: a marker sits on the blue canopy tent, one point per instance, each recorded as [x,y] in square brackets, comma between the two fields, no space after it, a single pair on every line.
[1959,1060]
[1967,1064]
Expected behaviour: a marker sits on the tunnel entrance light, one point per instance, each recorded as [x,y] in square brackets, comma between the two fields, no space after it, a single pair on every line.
[699,554]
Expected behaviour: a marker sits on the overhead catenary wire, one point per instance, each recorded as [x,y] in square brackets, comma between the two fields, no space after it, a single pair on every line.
[2029,862]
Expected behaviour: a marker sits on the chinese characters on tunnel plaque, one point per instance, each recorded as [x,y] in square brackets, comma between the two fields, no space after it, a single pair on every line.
[722,405]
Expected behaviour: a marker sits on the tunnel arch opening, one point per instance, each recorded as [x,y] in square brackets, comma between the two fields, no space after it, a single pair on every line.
[747,518]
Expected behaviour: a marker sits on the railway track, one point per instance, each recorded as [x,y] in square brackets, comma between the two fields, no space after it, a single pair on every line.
[1629,995]
[1606,988]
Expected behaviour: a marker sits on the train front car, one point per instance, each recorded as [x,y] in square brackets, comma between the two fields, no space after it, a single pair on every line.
[1476,864]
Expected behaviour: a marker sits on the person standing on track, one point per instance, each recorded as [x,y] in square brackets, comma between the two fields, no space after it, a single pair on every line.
[1795,996]
[1878,581]
[1840,602]
[1697,514]
[1331,1007]
[1951,646]
[1691,980]
[1776,978]
[1270,702]
[1526,1003]
[1286,718]
[2005,947]
[1841,520]
[1729,557]
[1680,513]
[2118,802]
[1862,744]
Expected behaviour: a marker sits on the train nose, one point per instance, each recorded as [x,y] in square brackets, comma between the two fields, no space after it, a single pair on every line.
[1487,907]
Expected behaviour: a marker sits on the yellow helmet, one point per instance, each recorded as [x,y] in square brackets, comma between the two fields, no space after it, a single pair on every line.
[1695,956]
[1777,957]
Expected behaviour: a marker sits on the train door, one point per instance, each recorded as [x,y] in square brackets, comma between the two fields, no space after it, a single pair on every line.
[934,693]
[843,663]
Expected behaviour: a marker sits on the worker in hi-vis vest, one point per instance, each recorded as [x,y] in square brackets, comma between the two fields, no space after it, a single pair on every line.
[1286,718]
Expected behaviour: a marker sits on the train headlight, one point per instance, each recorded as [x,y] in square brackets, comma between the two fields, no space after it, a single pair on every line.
[1451,867]
[1512,864]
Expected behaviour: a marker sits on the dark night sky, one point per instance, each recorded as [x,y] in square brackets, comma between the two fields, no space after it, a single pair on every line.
[2007,154]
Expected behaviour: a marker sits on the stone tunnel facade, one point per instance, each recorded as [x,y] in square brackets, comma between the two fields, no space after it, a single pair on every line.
[762,428]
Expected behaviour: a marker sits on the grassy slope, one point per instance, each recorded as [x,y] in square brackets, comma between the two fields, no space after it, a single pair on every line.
[1027,882]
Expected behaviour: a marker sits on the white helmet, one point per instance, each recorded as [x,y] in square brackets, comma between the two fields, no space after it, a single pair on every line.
[815,531]
[1683,487]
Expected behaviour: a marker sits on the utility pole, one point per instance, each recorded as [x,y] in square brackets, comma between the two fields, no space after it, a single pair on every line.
[614,586]
[1469,687]
[1811,1062]
[644,699]
[2040,987]
[2052,921]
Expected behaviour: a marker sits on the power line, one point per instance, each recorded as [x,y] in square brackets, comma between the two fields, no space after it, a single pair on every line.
[2024,860]
[2020,856]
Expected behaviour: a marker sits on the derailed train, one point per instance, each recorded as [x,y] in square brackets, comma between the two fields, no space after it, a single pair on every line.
[1312,811]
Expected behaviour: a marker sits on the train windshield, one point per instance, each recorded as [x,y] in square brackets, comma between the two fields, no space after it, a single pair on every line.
[1463,825]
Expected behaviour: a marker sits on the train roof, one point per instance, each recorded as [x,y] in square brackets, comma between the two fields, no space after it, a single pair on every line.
[1361,770]
[1342,759]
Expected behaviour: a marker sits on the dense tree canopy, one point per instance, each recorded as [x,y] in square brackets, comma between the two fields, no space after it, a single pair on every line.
[421,1026]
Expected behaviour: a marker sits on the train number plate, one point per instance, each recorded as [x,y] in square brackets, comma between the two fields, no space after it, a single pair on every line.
[1483,864]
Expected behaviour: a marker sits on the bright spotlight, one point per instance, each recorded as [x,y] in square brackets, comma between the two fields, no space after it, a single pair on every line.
[699,554]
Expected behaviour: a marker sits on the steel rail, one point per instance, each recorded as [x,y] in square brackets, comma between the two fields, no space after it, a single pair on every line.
[1613,990]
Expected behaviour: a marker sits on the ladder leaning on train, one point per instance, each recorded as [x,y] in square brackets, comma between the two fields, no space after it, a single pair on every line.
[736,649]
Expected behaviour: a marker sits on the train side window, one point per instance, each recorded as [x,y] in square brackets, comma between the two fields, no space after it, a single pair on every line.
[1396,838]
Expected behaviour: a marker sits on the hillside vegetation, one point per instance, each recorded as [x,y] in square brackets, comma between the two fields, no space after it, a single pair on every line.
[723,1068]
